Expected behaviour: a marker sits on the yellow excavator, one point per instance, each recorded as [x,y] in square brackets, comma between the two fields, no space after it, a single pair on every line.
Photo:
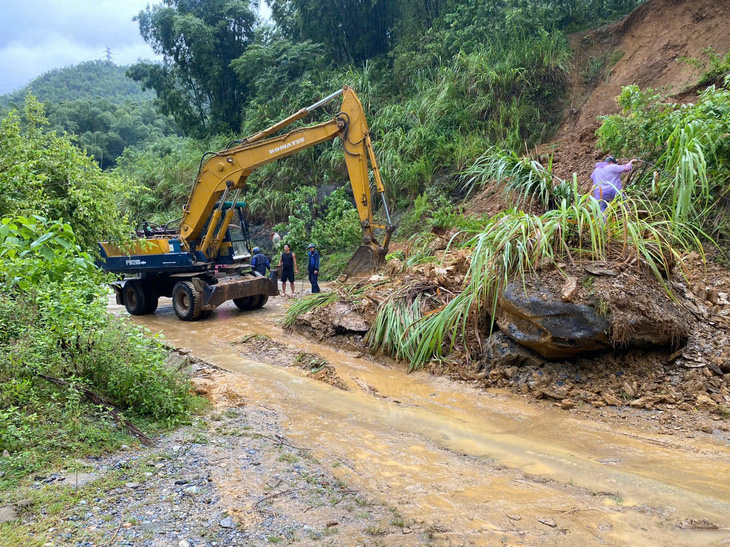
[204,262]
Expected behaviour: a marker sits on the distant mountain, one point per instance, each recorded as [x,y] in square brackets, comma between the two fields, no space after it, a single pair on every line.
[94,101]
[89,80]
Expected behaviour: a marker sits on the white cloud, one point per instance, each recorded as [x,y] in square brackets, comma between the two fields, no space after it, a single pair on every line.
[36,36]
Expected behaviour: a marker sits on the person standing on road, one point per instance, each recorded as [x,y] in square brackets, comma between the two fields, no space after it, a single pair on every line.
[607,180]
[313,267]
[260,262]
[288,264]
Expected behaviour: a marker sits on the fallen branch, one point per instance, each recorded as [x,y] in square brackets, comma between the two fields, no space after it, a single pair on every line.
[116,533]
[108,406]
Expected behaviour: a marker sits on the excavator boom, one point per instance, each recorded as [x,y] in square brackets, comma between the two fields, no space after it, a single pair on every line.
[202,224]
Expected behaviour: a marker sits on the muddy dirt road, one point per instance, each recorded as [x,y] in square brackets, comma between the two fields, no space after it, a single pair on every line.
[469,466]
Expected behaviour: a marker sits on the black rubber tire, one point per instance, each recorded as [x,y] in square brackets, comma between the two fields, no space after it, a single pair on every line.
[263,299]
[246,303]
[152,302]
[135,298]
[151,298]
[205,314]
[187,301]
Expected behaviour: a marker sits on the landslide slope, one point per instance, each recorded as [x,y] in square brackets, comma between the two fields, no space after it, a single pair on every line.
[645,48]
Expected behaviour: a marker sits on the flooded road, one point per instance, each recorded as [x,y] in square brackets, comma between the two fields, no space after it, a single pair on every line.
[473,466]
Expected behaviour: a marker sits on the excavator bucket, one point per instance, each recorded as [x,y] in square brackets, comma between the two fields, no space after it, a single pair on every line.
[366,260]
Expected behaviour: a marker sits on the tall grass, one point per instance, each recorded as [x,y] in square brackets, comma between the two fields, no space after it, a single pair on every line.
[689,191]
[390,332]
[687,146]
[514,244]
[307,304]
[523,176]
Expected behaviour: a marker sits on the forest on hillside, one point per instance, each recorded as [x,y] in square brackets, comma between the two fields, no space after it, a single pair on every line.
[442,81]
[96,102]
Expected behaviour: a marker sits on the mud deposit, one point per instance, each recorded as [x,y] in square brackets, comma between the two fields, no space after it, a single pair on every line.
[459,465]
[267,350]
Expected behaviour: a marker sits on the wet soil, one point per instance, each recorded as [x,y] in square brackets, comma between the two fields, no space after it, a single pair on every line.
[265,349]
[464,465]
[645,48]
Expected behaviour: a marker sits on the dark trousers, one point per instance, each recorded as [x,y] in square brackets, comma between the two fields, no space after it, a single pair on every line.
[313,277]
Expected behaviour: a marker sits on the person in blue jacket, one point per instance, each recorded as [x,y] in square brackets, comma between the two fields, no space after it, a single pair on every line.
[260,263]
[313,267]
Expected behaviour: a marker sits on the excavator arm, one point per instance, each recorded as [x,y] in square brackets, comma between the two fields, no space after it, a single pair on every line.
[204,225]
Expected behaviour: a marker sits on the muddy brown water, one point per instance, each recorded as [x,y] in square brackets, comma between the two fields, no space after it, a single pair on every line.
[469,466]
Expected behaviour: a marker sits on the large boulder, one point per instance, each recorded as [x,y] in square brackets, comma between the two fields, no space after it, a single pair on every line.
[555,329]
[562,319]
[501,351]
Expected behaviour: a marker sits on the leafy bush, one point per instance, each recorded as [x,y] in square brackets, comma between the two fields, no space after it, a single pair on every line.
[332,224]
[427,210]
[686,149]
[339,228]
[45,174]
[54,324]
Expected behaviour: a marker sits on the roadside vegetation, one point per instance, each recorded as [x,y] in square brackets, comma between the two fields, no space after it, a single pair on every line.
[73,379]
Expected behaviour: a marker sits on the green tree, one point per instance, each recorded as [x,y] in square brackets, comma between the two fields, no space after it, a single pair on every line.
[352,31]
[88,80]
[104,129]
[195,83]
[42,173]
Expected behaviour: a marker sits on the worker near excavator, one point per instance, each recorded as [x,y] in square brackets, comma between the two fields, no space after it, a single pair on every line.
[288,265]
[313,267]
[606,179]
[260,262]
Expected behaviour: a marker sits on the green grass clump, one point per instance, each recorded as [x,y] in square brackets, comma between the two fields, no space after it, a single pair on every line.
[523,176]
[392,323]
[307,304]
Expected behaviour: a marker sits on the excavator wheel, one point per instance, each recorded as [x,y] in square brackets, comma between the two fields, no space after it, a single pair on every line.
[246,303]
[152,299]
[187,301]
[365,261]
[262,301]
[135,298]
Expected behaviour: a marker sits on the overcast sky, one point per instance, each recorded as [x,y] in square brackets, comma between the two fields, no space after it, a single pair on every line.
[38,35]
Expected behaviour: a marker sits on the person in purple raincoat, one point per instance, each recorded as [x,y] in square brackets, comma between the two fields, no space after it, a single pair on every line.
[607,180]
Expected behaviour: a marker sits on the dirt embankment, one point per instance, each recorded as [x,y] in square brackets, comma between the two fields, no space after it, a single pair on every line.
[645,48]
[662,350]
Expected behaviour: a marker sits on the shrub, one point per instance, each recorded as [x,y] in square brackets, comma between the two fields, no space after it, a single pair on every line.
[54,324]
[685,148]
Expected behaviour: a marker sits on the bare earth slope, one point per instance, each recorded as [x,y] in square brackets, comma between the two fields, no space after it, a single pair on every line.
[649,44]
